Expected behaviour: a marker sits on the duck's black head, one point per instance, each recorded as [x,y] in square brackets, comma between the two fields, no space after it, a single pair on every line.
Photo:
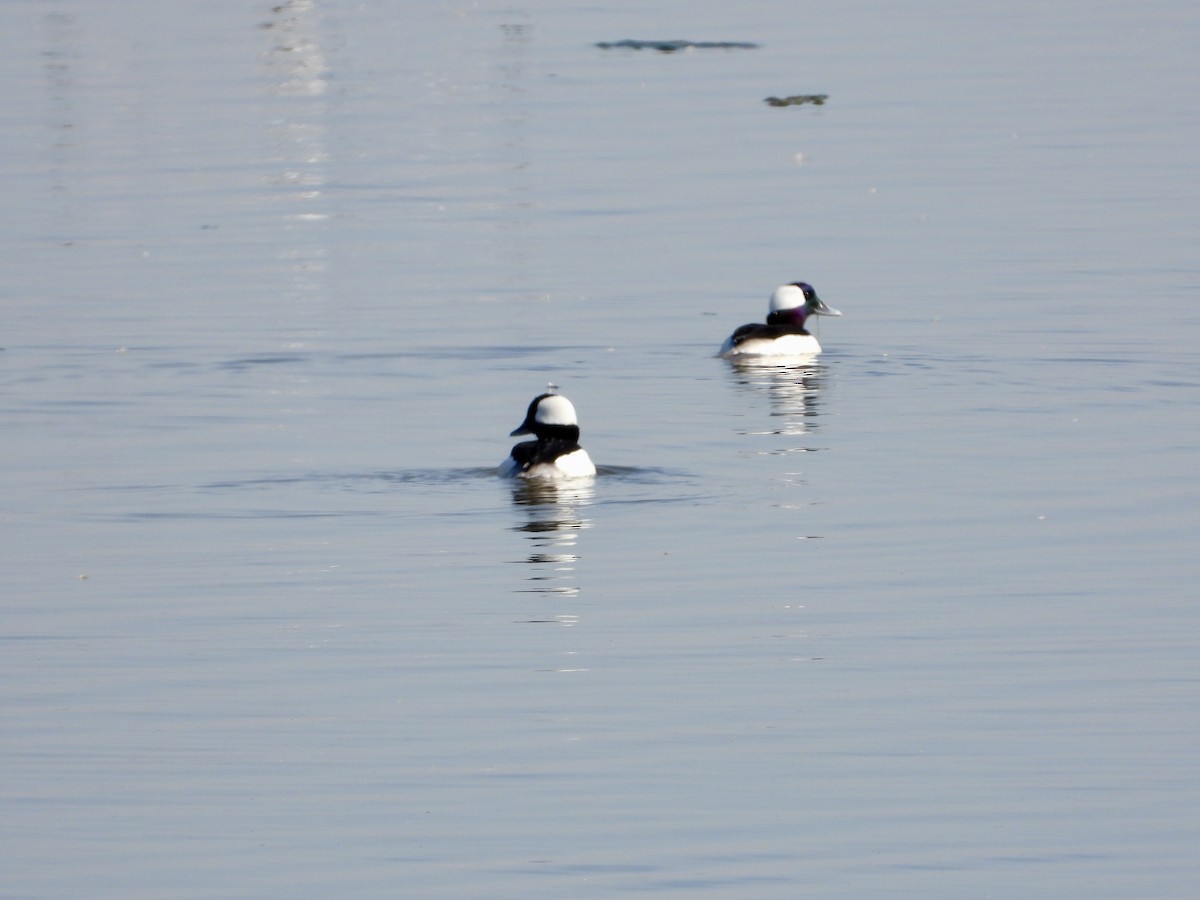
[550,416]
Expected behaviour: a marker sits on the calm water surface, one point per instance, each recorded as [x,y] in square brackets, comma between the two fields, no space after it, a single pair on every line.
[915,619]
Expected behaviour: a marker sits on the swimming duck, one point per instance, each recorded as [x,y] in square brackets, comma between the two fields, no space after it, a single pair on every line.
[784,333]
[556,452]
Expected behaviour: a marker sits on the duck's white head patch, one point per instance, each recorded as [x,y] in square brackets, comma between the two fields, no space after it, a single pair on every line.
[787,296]
[555,410]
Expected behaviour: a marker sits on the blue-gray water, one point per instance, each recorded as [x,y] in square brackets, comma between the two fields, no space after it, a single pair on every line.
[917,620]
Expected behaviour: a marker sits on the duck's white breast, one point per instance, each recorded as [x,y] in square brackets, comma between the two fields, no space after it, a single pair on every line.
[571,465]
[786,345]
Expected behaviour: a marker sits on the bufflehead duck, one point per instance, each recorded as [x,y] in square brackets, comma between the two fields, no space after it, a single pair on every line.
[556,452]
[784,333]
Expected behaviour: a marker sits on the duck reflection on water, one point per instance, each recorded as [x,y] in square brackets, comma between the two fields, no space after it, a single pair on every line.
[793,390]
[554,517]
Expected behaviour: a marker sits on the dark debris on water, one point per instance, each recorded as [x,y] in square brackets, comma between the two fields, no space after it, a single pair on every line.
[798,100]
[674,46]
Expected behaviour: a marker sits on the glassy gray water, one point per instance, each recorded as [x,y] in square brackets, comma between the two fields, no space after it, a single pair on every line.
[915,619]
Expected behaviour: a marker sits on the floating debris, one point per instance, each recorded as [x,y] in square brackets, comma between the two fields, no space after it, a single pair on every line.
[798,100]
[674,46]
